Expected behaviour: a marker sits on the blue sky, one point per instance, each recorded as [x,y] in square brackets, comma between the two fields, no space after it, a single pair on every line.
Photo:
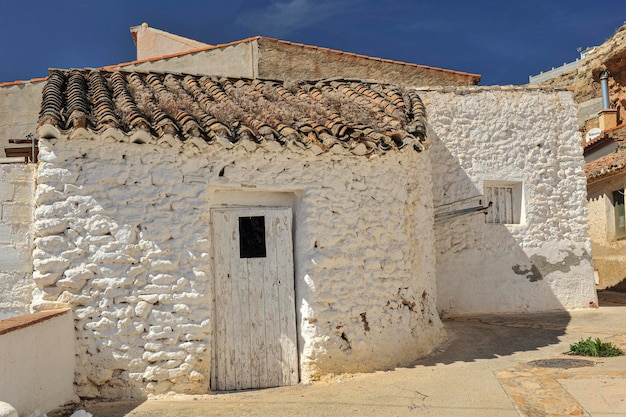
[504,41]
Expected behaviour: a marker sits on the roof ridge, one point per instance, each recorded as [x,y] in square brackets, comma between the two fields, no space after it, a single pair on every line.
[177,54]
[253,38]
[392,61]
[21,82]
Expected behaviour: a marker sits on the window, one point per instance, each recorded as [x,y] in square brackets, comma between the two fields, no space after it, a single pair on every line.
[506,202]
[618,210]
[252,237]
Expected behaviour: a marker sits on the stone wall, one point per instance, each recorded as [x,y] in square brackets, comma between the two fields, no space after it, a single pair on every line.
[282,61]
[122,235]
[519,135]
[16,199]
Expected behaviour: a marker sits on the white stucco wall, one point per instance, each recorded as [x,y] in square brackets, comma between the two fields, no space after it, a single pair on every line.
[16,203]
[513,134]
[37,364]
[122,235]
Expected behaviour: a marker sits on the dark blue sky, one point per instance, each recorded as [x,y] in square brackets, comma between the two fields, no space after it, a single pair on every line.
[504,41]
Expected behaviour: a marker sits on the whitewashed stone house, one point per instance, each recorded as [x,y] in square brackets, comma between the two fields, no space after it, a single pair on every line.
[233,233]
[152,187]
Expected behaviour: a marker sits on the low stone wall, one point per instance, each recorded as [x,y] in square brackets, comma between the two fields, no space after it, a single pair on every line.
[16,199]
[37,361]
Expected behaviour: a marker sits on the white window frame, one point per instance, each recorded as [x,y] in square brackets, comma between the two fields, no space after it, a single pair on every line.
[506,200]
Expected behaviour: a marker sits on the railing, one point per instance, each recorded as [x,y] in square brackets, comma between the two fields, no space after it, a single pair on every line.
[554,72]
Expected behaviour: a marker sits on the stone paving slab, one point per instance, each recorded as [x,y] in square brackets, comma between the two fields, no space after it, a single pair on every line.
[600,397]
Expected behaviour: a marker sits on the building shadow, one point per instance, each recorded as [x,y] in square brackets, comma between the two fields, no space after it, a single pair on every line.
[100,408]
[474,338]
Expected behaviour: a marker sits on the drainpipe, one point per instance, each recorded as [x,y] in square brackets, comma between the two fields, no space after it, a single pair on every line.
[604,83]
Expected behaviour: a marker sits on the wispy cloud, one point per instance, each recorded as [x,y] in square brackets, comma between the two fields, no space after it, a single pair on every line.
[283,17]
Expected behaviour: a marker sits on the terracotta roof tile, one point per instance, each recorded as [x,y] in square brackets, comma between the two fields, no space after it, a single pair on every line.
[20,322]
[617,132]
[612,163]
[362,117]
[20,82]
[607,165]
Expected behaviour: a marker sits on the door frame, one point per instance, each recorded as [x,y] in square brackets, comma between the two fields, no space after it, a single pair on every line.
[213,308]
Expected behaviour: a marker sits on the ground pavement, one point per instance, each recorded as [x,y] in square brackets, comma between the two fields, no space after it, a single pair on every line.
[500,366]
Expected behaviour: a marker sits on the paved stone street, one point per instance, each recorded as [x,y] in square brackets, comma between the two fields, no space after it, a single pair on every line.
[511,365]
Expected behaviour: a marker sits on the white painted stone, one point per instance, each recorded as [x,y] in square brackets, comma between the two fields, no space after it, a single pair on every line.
[7,410]
[81,413]
[148,246]
[522,135]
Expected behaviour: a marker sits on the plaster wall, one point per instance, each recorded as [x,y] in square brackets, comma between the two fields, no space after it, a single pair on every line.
[16,203]
[609,254]
[19,110]
[153,43]
[37,365]
[530,137]
[233,61]
[122,235]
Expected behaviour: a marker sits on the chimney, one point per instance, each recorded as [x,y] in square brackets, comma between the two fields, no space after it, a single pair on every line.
[607,118]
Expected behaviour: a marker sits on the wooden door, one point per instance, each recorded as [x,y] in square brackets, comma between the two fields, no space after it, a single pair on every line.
[255,344]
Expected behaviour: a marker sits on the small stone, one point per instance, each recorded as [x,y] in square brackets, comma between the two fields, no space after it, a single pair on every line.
[7,410]
[81,413]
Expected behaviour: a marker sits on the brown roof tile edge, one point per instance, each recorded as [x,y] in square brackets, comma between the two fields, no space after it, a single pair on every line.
[467,89]
[609,173]
[335,51]
[604,135]
[20,82]
[27,320]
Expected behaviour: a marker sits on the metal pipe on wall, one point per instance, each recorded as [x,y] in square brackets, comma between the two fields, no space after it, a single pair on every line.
[604,83]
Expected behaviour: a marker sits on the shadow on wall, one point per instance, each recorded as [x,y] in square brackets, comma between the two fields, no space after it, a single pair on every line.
[502,268]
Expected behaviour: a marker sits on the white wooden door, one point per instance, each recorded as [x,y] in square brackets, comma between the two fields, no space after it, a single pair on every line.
[255,342]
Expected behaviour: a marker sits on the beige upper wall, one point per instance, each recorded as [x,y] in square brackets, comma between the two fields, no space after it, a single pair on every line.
[233,61]
[153,43]
[284,60]
[19,110]
[268,58]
